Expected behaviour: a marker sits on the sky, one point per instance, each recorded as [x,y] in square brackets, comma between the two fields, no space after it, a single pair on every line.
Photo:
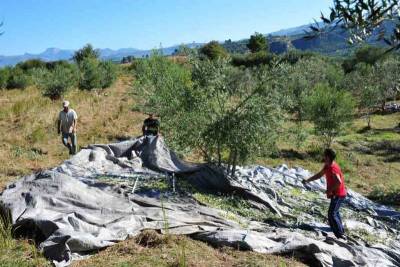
[34,25]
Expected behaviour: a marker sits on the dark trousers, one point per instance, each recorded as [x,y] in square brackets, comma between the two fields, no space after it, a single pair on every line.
[334,216]
[71,146]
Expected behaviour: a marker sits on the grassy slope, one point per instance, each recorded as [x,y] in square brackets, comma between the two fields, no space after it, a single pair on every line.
[30,143]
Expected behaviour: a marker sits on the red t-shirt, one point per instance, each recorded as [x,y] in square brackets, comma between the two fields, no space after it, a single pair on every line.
[330,180]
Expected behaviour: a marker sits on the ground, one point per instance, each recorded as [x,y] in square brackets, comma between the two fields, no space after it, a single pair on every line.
[369,159]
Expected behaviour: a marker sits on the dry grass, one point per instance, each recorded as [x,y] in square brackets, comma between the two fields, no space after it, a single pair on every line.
[180,251]
[28,125]
[30,143]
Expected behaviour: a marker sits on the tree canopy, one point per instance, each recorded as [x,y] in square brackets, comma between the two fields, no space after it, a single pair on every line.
[257,43]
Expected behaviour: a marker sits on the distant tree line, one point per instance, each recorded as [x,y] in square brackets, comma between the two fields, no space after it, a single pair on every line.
[86,71]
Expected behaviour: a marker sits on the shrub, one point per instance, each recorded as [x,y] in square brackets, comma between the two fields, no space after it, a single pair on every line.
[86,52]
[4,76]
[90,77]
[56,82]
[330,110]
[108,73]
[52,64]
[213,50]
[31,64]
[17,79]
[257,43]
[253,59]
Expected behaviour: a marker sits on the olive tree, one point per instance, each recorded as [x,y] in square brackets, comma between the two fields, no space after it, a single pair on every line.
[226,113]
[330,110]
[56,82]
[299,84]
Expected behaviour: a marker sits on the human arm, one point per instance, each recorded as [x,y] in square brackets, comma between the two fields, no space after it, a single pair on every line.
[58,126]
[74,123]
[314,177]
[143,129]
[74,126]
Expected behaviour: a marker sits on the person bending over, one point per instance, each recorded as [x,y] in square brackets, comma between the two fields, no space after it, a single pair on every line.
[151,126]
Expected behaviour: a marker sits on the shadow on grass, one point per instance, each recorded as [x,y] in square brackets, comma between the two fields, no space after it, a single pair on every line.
[389,150]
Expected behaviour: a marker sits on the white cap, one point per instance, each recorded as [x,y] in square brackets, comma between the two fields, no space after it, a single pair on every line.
[65,103]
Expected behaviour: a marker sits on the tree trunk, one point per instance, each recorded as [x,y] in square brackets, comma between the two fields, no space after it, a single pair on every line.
[234,163]
[369,121]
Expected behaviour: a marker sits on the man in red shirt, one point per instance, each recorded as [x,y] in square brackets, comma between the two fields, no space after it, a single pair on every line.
[335,190]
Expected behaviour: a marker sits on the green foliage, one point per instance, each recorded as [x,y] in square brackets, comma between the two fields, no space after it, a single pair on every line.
[299,85]
[380,82]
[257,43]
[369,55]
[31,64]
[55,83]
[52,64]
[17,79]
[330,110]
[90,77]
[363,18]
[86,52]
[4,76]
[253,59]
[236,47]
[108,73]
[213,51]
[293,56]
[215,108]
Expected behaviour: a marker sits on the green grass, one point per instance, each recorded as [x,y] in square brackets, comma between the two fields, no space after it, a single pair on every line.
[17,253]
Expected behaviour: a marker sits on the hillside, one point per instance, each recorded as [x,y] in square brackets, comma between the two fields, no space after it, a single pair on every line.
[368,159]
[54,54]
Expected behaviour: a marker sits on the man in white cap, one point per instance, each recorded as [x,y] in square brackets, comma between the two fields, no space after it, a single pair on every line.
[66,125]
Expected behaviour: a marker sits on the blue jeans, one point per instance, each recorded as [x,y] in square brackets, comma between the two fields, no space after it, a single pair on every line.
[334,217]
[71,146]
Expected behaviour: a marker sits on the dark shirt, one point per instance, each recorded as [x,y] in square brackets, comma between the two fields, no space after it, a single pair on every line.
[151,126]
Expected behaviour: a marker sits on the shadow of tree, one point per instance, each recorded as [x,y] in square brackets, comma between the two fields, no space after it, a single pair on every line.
[389,150]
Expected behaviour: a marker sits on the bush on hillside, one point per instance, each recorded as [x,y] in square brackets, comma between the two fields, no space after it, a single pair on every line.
[64,63]
[108,73]
[253,59]
[213,51]
[55,83]
[89,74]
[31,64]
[4,76]
[17,79]
[258,43]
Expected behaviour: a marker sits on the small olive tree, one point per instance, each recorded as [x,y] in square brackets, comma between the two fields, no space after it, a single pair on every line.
[89,77]
[108,73]
[55,83]
[330,110]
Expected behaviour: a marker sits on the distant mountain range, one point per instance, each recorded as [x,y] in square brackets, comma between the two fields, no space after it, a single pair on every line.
[52,54]
[332,43]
